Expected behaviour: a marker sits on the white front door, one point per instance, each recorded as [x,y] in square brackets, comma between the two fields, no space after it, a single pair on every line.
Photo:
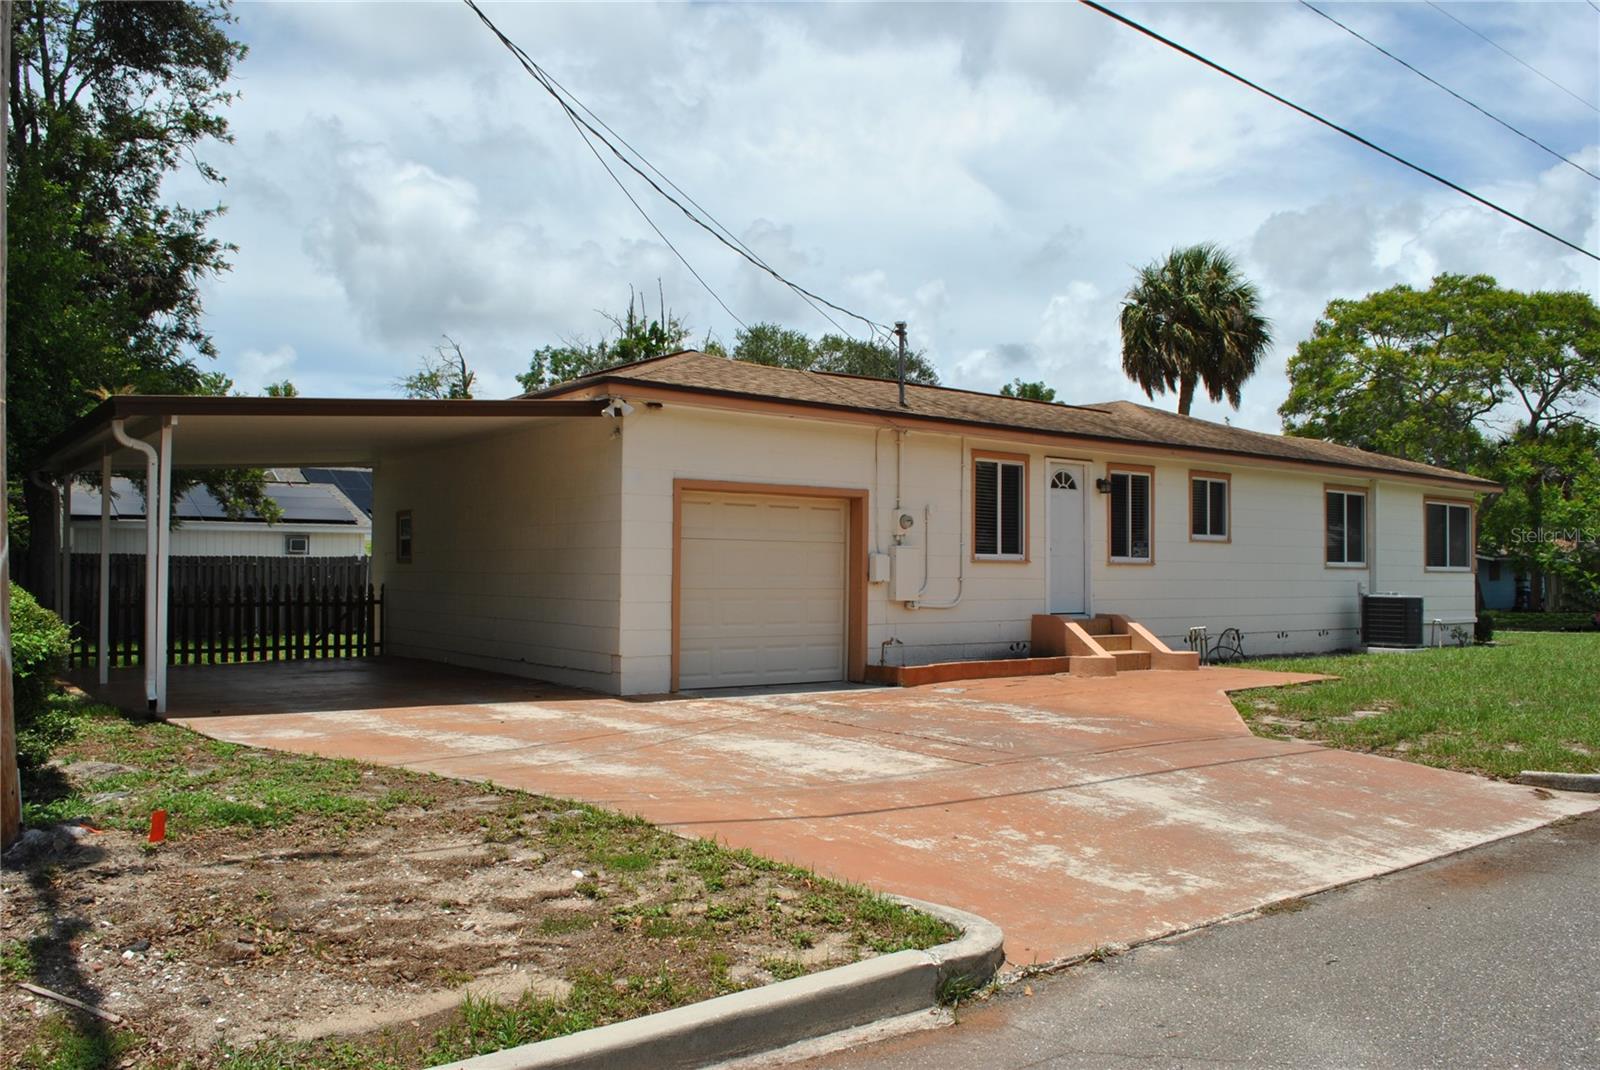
[1068,586]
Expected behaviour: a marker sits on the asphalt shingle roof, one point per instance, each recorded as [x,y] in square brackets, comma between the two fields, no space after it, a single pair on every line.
[1113,421]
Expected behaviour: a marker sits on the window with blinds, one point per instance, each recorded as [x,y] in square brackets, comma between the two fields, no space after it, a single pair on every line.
[1208,508]
[1345,515]
[1130,517]
[999,510]
[1449,535]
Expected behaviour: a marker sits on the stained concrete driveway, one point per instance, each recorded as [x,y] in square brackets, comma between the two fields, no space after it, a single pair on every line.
[1074,813]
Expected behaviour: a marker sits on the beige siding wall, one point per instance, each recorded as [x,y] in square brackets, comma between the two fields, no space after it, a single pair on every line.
[1269,580]
[1447,597]
[515,560]
[215,540]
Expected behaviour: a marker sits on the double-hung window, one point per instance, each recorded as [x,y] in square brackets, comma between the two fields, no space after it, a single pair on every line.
[1449,535]
[1208,507]
[1345,522]
[1130,517]
[1000,507]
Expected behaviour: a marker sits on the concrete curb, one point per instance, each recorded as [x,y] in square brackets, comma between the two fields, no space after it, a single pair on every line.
[776,1015]
[1560,781]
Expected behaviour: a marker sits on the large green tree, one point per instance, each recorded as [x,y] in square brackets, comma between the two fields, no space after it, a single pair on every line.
[106,100]
[633,336]
[1028,391]
[1411,373]
[442,375]
[1479,378]
[784,347]
[1193,320]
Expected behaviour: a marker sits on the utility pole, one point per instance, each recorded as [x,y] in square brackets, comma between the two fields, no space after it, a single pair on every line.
[10,783]
[900,360]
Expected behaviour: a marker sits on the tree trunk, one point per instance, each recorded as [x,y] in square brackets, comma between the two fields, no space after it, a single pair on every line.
[1186,395]
[35,566]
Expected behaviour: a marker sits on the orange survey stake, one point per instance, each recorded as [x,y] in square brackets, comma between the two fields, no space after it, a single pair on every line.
[158,826]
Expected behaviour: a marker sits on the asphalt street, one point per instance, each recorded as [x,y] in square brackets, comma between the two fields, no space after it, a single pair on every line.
[1490,958]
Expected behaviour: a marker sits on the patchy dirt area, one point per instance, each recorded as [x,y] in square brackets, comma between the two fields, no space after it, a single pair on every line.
[306,912]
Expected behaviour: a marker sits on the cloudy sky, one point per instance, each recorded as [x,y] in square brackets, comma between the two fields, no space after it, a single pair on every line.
[991,173]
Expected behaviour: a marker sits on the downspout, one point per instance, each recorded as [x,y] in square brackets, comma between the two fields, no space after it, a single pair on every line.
[163,558]
[152,486]
[64,584]
[961,543]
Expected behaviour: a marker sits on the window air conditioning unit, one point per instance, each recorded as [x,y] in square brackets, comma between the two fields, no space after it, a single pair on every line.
[298,545]
[1391,620]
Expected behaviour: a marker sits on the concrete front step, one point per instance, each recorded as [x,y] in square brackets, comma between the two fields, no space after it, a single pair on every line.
[1130,660]
[1115,641]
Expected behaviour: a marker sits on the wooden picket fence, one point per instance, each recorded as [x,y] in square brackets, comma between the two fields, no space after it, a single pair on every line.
[233,609]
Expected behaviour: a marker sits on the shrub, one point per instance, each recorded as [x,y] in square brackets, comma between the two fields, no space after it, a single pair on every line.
[1484,631]
[40,643]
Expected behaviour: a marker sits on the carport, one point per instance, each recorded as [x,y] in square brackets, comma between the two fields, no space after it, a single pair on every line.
[150,437]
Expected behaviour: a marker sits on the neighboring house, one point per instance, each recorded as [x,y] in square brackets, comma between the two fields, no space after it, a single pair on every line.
[1497,582]
[318,521]
[355,483]
[735,524]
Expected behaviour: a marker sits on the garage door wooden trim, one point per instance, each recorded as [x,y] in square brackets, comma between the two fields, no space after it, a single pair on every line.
[855,553]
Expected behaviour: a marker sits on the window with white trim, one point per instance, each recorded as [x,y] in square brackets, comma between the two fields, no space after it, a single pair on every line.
[999,509]
[297,545]
[1345,513]
[1208,508]
[1130,517]
[1449,535]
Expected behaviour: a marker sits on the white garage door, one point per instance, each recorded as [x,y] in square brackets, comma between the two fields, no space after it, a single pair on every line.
[762,595]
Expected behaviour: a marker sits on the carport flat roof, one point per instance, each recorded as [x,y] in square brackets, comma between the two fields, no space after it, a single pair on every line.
[268,432]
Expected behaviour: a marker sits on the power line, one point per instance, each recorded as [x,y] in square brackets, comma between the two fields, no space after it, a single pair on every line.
[573,118]
[538,73]
[1483,111]
[1513,55]
[1330,124]
[697,205]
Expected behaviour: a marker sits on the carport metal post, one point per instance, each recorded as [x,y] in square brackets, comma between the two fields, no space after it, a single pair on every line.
[152,486]
[64,546]
[103,636]
[163,555]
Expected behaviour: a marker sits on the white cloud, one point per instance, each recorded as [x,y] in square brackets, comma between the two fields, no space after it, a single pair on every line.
[991,173]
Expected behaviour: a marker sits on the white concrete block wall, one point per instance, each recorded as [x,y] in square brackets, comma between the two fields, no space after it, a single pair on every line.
[1269,580]
[516,548]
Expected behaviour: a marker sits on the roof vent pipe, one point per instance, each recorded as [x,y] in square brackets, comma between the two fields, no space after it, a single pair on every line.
[900,358]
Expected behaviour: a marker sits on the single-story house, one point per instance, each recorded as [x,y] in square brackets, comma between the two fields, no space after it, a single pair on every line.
[1498,582]
[692,522]
[354,483]
[317,520]
[736,524]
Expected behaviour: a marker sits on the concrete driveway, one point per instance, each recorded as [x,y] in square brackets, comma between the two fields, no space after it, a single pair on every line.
[1074,813]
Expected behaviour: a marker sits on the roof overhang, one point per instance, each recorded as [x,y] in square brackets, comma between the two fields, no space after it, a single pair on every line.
[239,432]
[603,385]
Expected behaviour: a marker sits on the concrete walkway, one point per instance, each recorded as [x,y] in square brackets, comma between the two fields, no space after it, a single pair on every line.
[1074,813]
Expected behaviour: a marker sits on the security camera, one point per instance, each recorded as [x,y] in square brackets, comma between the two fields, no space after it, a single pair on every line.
[616,408]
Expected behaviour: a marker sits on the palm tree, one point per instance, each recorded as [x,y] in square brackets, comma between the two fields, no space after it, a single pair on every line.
[1191,319]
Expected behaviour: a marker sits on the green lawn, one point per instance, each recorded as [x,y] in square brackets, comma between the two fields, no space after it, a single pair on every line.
[1530,701]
